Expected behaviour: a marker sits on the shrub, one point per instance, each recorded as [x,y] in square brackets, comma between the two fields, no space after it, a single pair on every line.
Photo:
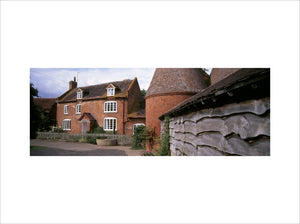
[102,137]
[57,129]
[149,136]
[164,143]
[96,129]
[139,138]
[90,139]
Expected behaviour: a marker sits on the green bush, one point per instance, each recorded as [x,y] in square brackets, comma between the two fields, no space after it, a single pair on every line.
[56,129]
[91,140]
[96,129]
[139,140]
[164,143]
[102,137]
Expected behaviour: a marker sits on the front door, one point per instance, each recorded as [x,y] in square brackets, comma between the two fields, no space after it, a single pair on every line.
[83,127]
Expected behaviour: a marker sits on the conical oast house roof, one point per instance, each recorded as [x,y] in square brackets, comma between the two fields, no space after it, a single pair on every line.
[170,80]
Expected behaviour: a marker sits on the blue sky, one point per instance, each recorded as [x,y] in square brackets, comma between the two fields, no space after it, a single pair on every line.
[52,82]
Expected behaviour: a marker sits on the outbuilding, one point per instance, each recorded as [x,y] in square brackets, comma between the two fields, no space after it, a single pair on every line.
[230,117]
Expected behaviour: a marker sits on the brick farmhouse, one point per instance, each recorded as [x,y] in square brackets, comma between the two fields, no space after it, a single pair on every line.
[116,106]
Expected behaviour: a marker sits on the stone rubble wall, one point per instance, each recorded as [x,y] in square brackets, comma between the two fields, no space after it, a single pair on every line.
[234,129]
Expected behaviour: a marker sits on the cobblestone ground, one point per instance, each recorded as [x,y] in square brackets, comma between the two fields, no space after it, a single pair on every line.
[62,148]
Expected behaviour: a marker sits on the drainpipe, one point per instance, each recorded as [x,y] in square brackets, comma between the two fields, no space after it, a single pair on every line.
[124,117]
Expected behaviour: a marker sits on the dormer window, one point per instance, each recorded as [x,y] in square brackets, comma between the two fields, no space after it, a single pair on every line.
[110,91]
[79,94]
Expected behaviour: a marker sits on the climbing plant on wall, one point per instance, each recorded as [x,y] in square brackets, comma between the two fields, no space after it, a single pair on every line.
[164,146]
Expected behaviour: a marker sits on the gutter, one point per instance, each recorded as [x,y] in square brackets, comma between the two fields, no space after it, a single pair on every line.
[211,97]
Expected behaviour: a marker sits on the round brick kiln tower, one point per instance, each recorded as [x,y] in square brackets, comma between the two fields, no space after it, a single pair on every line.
[168,88]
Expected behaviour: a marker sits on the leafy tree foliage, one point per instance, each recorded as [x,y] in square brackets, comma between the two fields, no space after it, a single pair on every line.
[139,139]
[97,129]
[164,145]
[143,92]
[35,115]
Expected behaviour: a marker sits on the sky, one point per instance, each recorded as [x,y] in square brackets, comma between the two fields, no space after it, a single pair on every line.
[53,82]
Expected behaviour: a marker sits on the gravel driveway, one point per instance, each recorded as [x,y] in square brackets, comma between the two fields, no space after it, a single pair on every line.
[62,148]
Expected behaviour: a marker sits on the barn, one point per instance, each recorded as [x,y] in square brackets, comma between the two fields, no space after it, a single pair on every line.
[231,117]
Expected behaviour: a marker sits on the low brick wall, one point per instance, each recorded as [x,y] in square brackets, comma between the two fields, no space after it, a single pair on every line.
[124,140]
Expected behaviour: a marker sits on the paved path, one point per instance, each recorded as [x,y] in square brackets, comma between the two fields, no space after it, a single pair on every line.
[62,148]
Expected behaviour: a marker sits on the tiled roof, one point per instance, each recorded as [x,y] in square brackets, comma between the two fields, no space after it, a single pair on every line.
[227,89]
[167,80]
[137,114]
[45,103]
[99,91]
[218,74]
[89,116]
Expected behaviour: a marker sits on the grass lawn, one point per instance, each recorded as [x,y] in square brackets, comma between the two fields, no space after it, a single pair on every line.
[33,147]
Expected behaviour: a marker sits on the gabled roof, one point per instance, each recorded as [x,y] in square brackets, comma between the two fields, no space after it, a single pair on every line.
[244,84]
[45,103]
[111,85]
[137,114]
[98,91]
[88,116]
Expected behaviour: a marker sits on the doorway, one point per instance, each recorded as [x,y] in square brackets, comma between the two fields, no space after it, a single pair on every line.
[84,127]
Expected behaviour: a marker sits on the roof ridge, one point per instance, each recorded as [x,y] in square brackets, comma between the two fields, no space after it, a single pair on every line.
[104,83]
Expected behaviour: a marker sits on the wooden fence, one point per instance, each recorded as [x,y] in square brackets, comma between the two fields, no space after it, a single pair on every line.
[122,139]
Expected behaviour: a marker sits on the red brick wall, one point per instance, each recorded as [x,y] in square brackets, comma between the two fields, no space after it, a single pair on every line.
[129,125]
[157,105]
[96,108]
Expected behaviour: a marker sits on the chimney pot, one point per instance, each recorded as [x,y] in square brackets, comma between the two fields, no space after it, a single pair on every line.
[72,84]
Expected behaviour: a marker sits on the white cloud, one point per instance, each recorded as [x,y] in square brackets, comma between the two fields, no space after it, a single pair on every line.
[54,82]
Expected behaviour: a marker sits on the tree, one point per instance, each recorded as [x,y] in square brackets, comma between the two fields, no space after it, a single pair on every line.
[35,116]
[143,92]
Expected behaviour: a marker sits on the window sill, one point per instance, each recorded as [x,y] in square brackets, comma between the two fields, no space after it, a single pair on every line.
[111,112]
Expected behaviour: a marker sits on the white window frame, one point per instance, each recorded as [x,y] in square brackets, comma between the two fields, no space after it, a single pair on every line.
[107,125]
[78,109]
[137,124]
[79,94]
[110,105]
[66,109]
[67,126]
[110,91]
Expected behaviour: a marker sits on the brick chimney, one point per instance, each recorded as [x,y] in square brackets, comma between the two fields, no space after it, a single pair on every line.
[73,84]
